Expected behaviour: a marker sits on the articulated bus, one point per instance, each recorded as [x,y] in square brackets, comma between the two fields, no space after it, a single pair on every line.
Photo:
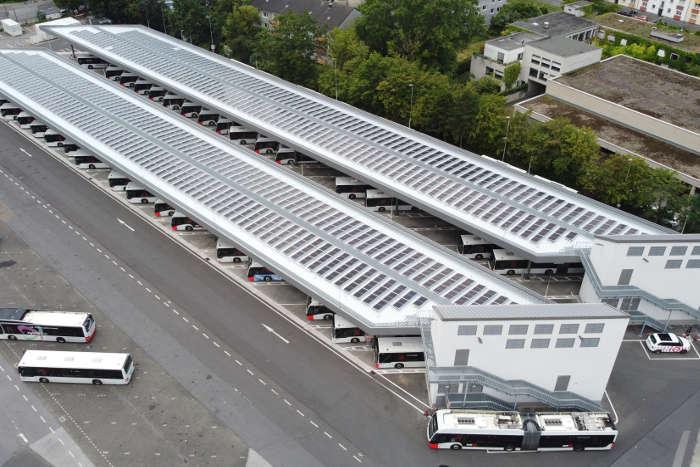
[227,253]
[117,181]
[162,209]
[208,117]
[141,86]
[173,101]
[38,129]
[243,136]
[399,352]
[128,79]
[38,325]
[377,200]
[156,93]
[190,109]
[265,145]
[288,156]
[223,125]
[348,187]
[53,138]
[512,431]
[9,111]
[257,273]
[345,331]
[136,194]
[180,222]
[113,72]
[53,366]
[91,61]
[89,162]
[24,120]
[316,310]
[505,262]
[474,247]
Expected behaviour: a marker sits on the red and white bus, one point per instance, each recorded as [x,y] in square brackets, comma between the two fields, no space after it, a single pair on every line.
[38,325]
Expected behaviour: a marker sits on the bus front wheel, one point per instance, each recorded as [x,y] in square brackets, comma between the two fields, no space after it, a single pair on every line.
[91,166]
[352,196]
[328,317]
[96,382]
[268,279]
[456,447]
[144,201]
[188,228]
[236,260]
[479,256]
[11,337]
[510,272]
[398,366]
[60,340]
[44,380]
[354,340]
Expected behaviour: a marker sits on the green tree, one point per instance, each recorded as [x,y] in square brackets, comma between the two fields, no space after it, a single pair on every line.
[516,10]
[486,133]
[288,50]
[190,22]
[691,218]
[511,74]
[344,45]
[430,31]
[239,32]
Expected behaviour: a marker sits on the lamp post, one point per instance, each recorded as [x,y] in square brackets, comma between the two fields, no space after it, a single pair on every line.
[410,110]
[505,141]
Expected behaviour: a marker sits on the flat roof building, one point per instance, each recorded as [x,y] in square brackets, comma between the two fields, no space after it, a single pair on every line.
[559,24]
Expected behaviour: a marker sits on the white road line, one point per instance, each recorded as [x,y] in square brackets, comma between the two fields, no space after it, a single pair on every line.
[25,152]
[274,333]
[249,372]
[287,402]
[195,327]
[239,363]
[228,354]
[126,225]
[617,419]
[274,392]
[300,413]
[24,438]
[185,320]
[205,336]
[216,344]
[680,450]
[328,435]
[695,349]
[313,423]
[262,382]
[25,398]
[33,408]
[342,447]
[357,459]
[42,419]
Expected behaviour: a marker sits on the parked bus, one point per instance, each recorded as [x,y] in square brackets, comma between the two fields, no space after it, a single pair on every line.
[316,311]
[162,209]
[25,119]
[505,262]
[346,331]
[208,117]
[223,125]
[53,366]
[117,181]
[141,86]
[137,194]
[265,145]
[509,431]
[257,273]
[173,101]
[113,72]
[180,222]
[53,138]
[156,93]
[288,156]
[377,200]
[9,111]
[128,79]
[243,136]
[350,188]
[227,253]
[90,61]
[38,129]
[474,247]
[89,162]
[190,109]
[399,352]
[38,325]
[69,146]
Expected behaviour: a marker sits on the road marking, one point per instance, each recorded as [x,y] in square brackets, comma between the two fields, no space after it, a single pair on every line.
[25,152]
[313,423]
[262,382]
[357,459]
[126,225]
[273,332]
[300,413]
[680,451]
[617,419]
[342,447]
[249,372]
[328,435]
[274,392]
[228,354]
[33,408]
[287,402]
[24,438]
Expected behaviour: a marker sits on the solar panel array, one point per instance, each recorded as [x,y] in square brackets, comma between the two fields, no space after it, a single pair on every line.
[526,212]
[351,254]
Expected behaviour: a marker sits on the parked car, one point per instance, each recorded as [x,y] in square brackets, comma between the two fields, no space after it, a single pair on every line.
[662,342]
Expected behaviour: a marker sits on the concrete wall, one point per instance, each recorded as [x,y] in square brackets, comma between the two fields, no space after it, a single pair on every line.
[625,116]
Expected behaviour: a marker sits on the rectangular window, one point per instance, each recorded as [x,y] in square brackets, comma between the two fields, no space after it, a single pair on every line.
[657,251]
[493,330]
[462,357]
[539,343]
[613,302]
[696,250]
[517,329]
[594,328]
[466,330]
[562,383]
[533,72]
[589,341]
[565,343]
[515,344]
[678,250]
[570,328]
[674,263]
[630,304]
[625,277]
[635,251]
[693,264]
[544,328]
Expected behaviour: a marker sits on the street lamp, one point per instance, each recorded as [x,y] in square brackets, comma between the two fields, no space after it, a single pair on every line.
[410,110]
[505,141]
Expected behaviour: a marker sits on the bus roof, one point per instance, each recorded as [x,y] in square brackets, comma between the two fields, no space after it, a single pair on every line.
[115,174]
[470,239]
[348,181]
[390,344]
[64,359]
[470,420]
[340,322]
[501,254]
[56,318]
[574,421]
[373,193]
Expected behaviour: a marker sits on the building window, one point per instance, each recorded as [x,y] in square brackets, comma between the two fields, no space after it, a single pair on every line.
[555,68]
[589,341]
[674,263]
[500,56]
[493,330]
[630,304]
[515,344]
[594,328]
[678,250]
[693,264]
[533,72]
[544,328]
[562,383]
[613,302]
[520,57]
[535,61]
[462,357]
[517,329]
[635,251]
[489,70]
[657,251]
[570,328]
[466,330]
[696,250]
[539,343]
[625,277]
[448,388]
[565,343]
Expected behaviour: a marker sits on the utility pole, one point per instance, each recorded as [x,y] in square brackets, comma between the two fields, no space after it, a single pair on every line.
[505,142]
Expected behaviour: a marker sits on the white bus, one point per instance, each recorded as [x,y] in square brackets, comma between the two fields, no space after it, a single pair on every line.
[92,62]
[53,366]
[53,138]
[377,200]
[474,247]
[113,72]
[223,125]
[509,431]
[347,331]
[190,109]
[117,181]
[156,93]
[69,146]
[266,146]
[348,187]
[9,111]
[227,253]
[399,352]
[289,156]
[136,194]
[316,310]
[58,326]
[141,86]
[243,136]
[38,129]
[173,101]
[505,262]
[162,209]
[208,117]
[88,161]
[128,79]
[24,119]
[180,222]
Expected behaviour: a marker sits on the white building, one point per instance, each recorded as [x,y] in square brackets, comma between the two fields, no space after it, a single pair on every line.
[489,8]
[557,354]
[549,58]
[501,52]
[652,277]
[576,8]
[11,27]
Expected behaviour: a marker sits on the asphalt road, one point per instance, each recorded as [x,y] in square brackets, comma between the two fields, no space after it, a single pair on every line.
[272,397]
